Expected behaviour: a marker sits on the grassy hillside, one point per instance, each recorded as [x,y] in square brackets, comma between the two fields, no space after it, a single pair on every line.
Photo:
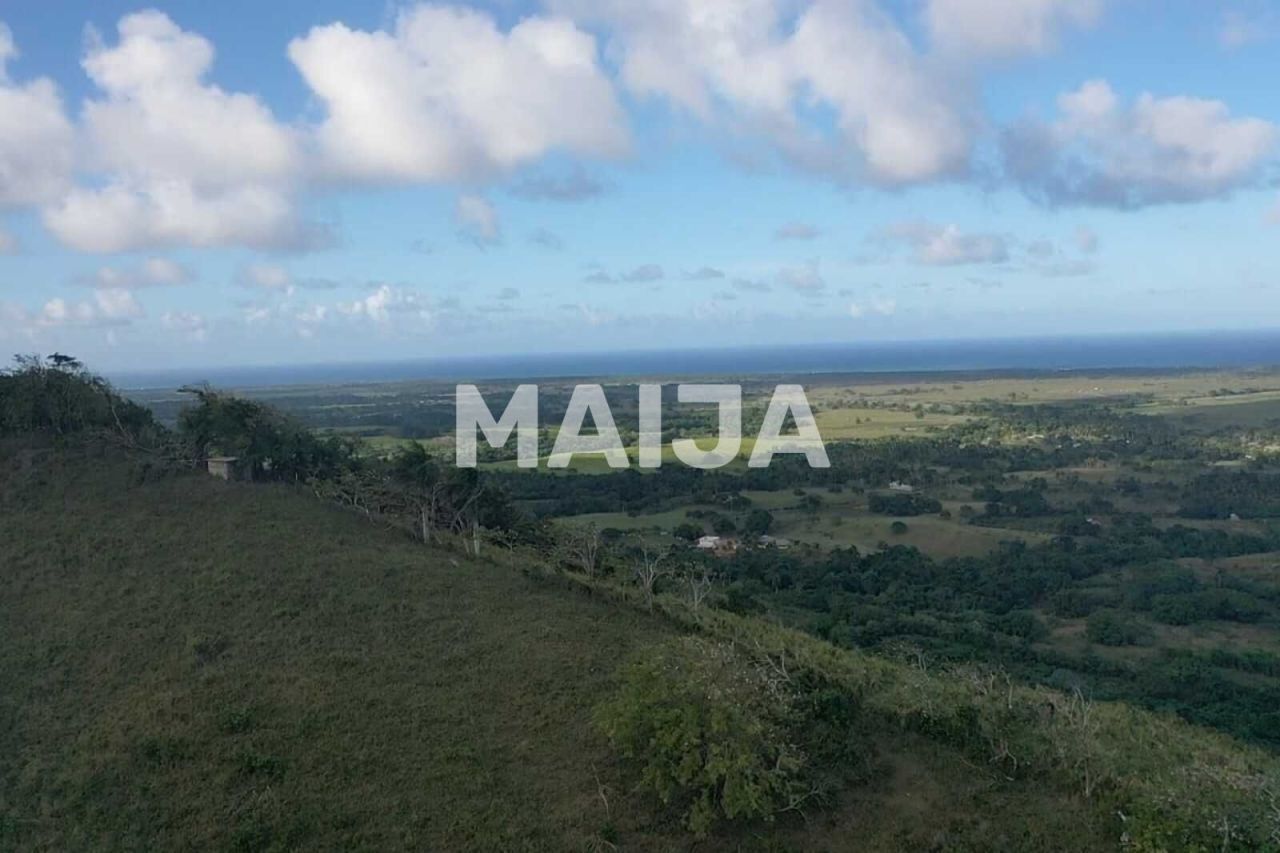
[192,664]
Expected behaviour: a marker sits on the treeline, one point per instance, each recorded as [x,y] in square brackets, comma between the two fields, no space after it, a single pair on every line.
[58,397]
[1243,494]
[870,465]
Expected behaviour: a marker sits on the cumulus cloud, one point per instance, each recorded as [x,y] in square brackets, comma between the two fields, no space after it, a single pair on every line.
[191,325]
[1004,28]
[109,307]
[1157,151]
[477,220]
[946,245]
[183,161]
[385,301]
[447,95]
[36,138]
[763,66]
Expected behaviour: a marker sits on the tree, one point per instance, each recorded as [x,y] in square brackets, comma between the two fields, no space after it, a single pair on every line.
[758,522]
[898,528]
[723,525]
[648,569]
[687,531]
[424,489]
[272,445]
[698,579]
[583,545]
[58,396]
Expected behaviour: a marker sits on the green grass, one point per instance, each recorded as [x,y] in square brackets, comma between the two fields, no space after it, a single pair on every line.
[196,665]
[191,664]
[840,424]
[840,522]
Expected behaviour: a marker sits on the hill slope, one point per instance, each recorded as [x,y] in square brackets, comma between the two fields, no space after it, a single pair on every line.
[191,664]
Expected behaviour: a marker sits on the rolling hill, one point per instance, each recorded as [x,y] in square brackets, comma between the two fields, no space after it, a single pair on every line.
[192,664]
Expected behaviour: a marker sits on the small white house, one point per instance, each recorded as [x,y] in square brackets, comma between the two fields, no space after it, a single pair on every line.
[709,543]
[896,486]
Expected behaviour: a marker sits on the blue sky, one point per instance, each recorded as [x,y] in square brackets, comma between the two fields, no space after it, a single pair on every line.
[196,184]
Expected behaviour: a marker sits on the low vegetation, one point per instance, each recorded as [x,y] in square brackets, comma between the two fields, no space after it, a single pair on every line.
[196,664]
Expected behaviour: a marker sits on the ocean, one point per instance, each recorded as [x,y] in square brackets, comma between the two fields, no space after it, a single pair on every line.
[1152,351]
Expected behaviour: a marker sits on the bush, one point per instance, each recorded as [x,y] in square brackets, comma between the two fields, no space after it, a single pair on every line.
[903,504]
[719,736]
[898,528]
[1113,628]
[687,531]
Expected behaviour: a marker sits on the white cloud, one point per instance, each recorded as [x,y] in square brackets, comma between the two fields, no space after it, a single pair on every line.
[1004,28]
[1159,150]
[182,161]
[947,245]
[384,301]
[447,95]
[109,307]
[36,138]
[477,220]
[117,304]
[192,325]
[760,65]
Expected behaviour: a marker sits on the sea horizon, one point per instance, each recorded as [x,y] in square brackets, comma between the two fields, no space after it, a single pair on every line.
[1154,351]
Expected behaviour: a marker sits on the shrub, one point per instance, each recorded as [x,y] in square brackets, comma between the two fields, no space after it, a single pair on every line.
[717,735]
[687,531]
[903,504]
[898,528]
[1113,628]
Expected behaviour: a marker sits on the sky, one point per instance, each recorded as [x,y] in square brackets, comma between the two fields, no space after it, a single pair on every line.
[247,183]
